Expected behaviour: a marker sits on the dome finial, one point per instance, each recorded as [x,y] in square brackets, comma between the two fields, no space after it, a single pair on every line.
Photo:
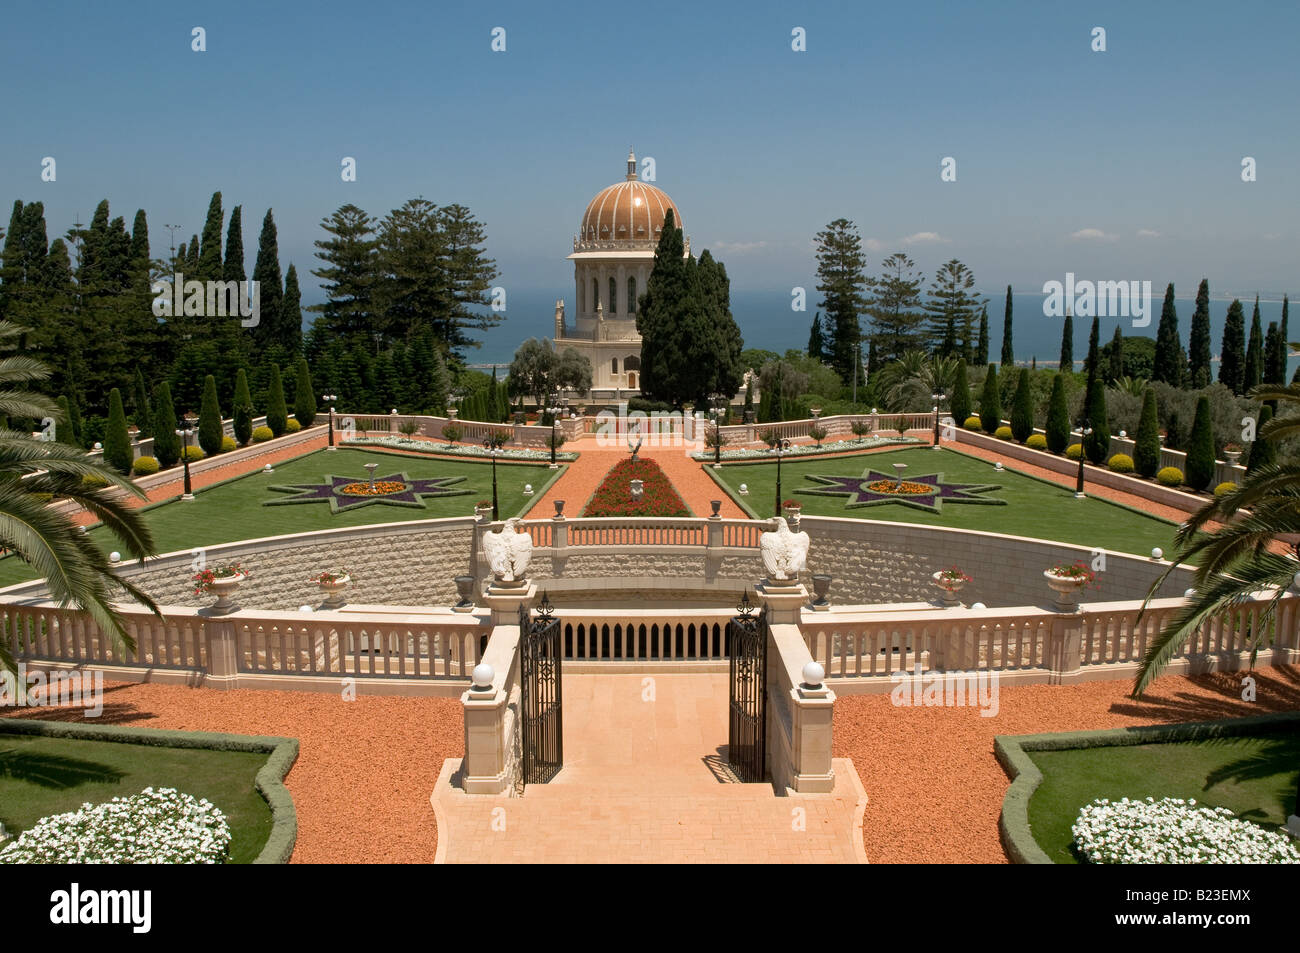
[631,165]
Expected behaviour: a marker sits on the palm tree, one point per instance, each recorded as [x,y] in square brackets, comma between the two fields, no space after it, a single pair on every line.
[910,380]
[1242,556]
[32,472]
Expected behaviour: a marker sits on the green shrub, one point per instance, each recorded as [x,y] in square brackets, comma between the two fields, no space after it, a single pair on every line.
[117,442]
[1146,450]
[1170,476]
[972,423]
[1022,407]
[1003,433]
[959,404]
[1121,463]
[990,402]
[262,434]
[1058,417]
[93,482]
[166,443]
[292,426]
[451,433]
[1223,489]
[243,412]
[304,396]
[1097,443]
[194,454]
[277,416]
[228,444]
[210,431]
[1036,441]
[144,466]
[1200,450]
[1074,451]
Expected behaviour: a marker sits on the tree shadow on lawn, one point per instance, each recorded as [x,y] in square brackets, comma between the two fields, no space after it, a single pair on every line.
[51,771]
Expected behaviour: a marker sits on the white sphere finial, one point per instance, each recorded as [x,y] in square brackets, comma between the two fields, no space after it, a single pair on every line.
[482,675]
[115,557]
[813,674]
[1157,553]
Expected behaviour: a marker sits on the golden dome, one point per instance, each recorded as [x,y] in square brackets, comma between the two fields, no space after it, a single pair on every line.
[629,211]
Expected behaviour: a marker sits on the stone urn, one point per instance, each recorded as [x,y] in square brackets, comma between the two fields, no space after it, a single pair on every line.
[821,586]
[637,489]
[559,509]
[716,506]
[1067,589]
[224,587]
[792,514]
[949,587]
[464,589]
[333,590]
[483,513]
[1232,456]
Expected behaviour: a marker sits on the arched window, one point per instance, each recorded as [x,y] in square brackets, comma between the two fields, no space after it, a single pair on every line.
[613,296]
[631,363]
[595,295]
[613,365]
[631,295]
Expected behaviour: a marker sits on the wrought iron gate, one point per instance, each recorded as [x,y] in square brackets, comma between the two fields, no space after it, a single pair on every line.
[540,652]
[747,734]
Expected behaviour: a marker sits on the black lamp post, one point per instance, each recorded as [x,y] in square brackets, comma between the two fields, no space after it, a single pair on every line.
[490,443]
[329,399]
[937,397]
[781,447]
[1085,429]
[553,408]
[186,433]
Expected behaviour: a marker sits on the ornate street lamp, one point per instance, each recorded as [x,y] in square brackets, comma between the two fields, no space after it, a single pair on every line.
[553,409]
[781,447]
[1085,430]
[937,397]
[329,399]
[185,433]
[489,442]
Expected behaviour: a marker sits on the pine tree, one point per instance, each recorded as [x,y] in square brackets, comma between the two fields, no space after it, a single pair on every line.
[1008,349]
[210,267]
[1146,450]
[277,416]
[952,309]
[1058,417]
[210,430]
[304,396]
[960,402]
[117,442]
[841,279]
[1115,368]
[1097,444]
[1022,409]
[1198,345]
[982,348]
[1262,451]
[991,402]
[166,443]
[894,307]
[1200,449]
[1254,372]
[242,409]
[266,272]
[1168,366]
[1232,359]
[348,275]
[142,414]
[1067,344]
[291,312]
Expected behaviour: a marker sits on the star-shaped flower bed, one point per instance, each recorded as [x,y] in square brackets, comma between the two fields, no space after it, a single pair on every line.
[348,493]
[928,492]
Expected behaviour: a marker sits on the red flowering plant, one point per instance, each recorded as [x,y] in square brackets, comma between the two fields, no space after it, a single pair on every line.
[613,497]
[1074,570]
[203,580]
[951,576]
[791,504]
[331,575]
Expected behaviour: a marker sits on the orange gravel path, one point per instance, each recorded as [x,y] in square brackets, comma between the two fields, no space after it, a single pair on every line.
[934,787]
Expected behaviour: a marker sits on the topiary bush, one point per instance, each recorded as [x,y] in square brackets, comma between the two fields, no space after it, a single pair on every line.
[1022,407]
[1003,433]
[228,444]
[210,431]
[1170,476]
[1200,450]
[1223,489]
[292,426]
[990,402]
[145,466]
[1074,451]
[1058,417]
[1146,450]
[117,442]
[262,434]
[1036,441]
[193,454]
[1121,463]
[972,423]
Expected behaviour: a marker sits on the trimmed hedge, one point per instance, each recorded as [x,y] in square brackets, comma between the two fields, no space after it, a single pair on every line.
[1074,451]
[292,426]
[145,466]
[1003,433]
[972,423]
[1170,476]
[1121,463]
[1223,489]
[262,434]
[1036,441]
[193,454]
[228,444]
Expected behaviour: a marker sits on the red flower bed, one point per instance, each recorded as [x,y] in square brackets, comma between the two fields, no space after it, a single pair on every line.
[614,498]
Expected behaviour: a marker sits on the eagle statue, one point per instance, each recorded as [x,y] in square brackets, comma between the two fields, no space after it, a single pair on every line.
[784,553]
[508,551]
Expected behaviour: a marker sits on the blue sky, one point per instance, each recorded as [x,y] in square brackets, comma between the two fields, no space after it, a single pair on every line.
[1123,164]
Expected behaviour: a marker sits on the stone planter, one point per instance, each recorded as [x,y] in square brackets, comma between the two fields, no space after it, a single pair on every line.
[821,586]
[716,506]
[792,514]
[224,589]
[949,587]
[333,591]
[1232,456]
[559,509]
[1067,589]
[483,513]
[464,589]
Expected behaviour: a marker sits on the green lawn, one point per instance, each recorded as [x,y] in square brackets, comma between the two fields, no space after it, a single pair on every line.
[44,776]
[234,510]
[1034,508]
[1252,776]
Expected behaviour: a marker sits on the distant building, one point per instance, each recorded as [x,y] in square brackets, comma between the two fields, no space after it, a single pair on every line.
[613,254]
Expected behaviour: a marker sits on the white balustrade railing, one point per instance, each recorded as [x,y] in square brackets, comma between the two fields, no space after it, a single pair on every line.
[645,634]
[48,632]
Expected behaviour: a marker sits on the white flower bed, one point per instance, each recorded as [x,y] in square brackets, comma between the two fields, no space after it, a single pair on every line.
[809,449]
[1175,831]
[160,826]
[456,449]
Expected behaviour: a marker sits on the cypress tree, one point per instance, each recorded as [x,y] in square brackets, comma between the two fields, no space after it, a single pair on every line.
[1033,363]
[140,399]
[960,402]
[1274,356]
[1146,450]
[1285,335]
[64,431]
[277,416]
[1262,451]
[1008,350]
[1091,366]
[117,442]
[291,313]
[982,348]
[991,402]
[74,415]
[166,444]
[209,266]
[243,409]
[1168,367]
[1058,417]
[1198,345]
[1097,444]
[266,271]
[1067,344]
[304,397]
[816,342]
[233,268]
[1200,448]
[210,430]
[1254,373]
[1232,355]
[1115,366]
[192,262]
[1022,410]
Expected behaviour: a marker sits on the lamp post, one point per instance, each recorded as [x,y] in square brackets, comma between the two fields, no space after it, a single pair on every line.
[553,409]
[937,397]
[329,399]
[781,447]
[185,433]
[489,442]
[1085,429]
[718,410]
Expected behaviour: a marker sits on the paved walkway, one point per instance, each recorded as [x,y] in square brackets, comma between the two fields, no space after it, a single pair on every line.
[645,781]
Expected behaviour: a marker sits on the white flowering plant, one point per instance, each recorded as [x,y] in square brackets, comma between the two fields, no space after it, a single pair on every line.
[809,450]
[1174,831]
[456,449]
[156,826]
